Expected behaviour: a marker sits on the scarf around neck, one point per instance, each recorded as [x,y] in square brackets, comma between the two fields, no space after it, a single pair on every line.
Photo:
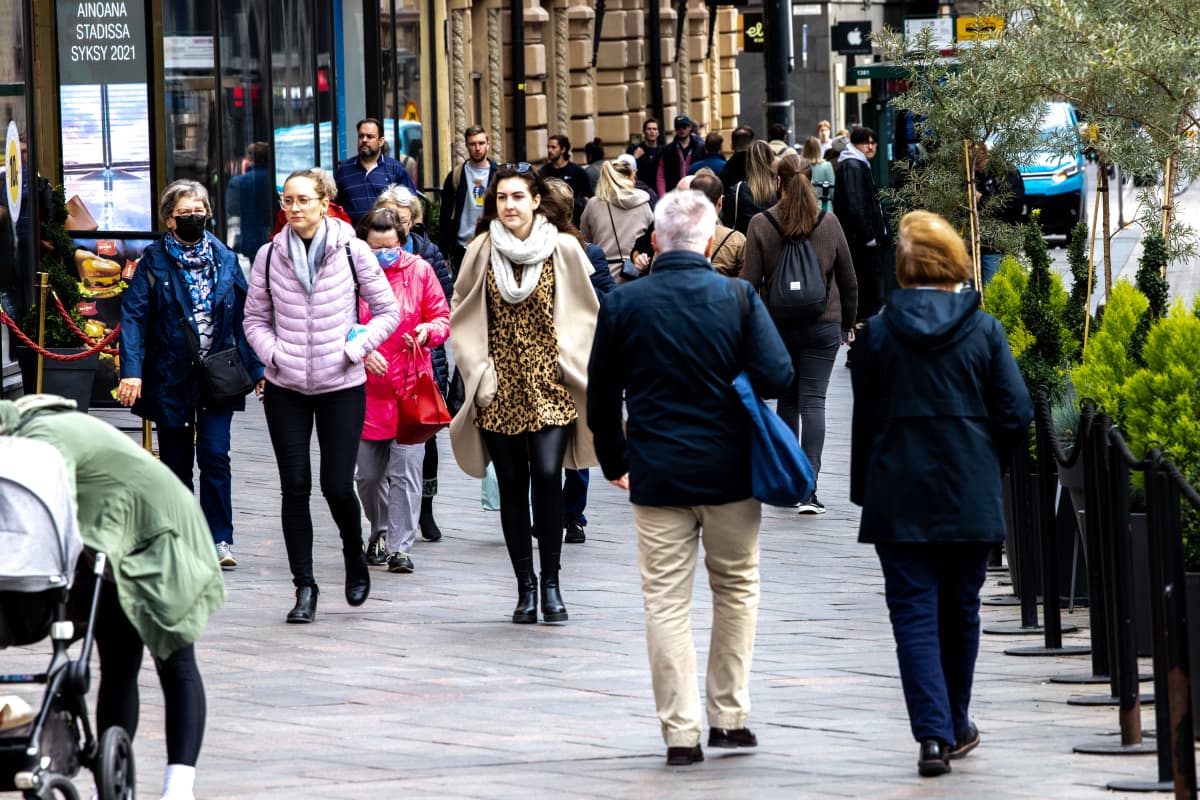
[307,262]
[199,269]
[531,253]
[853,153]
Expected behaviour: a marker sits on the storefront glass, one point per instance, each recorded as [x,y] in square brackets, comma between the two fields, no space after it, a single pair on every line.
[401,41]
[190,95]
[293,91]
[16,212]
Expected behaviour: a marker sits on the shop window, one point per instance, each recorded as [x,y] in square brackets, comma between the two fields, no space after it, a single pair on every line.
[401,42]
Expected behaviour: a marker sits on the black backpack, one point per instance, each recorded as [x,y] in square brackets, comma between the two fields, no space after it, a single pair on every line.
[798,291]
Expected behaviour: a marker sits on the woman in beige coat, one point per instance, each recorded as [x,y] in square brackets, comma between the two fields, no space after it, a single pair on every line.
[522,321]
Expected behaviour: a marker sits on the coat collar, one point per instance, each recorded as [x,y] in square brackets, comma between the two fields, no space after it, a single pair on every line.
[680,260]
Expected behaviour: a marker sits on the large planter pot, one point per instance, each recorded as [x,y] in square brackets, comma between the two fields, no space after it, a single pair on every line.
[71,379]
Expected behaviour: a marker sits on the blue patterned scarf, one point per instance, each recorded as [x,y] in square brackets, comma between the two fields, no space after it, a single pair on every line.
[199,269]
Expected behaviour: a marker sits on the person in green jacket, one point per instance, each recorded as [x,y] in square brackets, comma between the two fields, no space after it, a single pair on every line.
[165,580]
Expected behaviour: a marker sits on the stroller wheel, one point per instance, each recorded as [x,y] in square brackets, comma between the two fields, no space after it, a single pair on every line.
[56,787]
[114,772]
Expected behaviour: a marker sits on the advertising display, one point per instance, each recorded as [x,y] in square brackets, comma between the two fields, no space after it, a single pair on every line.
[103,70]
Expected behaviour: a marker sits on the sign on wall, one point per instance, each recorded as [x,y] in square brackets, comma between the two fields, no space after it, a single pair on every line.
[753,34]
[851,38]
[101,42]
[12,170]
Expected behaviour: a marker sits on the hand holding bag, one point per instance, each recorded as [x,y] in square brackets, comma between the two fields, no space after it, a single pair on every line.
[421,411]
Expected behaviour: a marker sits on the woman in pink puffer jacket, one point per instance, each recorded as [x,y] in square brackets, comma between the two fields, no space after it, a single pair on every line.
[389,473]
[302,321]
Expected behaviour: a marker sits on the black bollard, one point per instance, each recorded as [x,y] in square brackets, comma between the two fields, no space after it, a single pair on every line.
[1047,529]
[1117,539]
[1168,612]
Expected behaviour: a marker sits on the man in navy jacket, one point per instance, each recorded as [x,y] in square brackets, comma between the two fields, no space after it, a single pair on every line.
[671,345]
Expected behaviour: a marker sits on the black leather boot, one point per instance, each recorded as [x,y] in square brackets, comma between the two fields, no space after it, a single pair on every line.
[305,609]
[527,586]
[430,531]
[553,609]
[358,578]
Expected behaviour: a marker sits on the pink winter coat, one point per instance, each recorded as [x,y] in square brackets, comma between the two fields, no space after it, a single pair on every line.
[422,303]
[301,338]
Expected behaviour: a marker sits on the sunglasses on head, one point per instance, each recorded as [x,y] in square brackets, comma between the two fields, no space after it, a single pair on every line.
[522,167]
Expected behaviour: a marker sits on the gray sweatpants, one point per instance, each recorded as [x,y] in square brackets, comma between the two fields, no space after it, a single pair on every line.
[389,485]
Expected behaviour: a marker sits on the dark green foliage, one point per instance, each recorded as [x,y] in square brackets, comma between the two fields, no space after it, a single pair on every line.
[59,262]
[1081,289]
[1041,363]
[1151,283]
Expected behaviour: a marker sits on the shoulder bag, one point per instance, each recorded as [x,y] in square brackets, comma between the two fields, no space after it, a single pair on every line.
[223,374]
[629,270]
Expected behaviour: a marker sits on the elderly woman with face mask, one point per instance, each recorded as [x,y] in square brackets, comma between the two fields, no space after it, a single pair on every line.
[185,301]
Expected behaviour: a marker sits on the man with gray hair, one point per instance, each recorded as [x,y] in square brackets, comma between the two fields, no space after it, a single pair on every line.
[670,345]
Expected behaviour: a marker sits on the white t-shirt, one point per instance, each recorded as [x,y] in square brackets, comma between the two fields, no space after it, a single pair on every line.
[476,181]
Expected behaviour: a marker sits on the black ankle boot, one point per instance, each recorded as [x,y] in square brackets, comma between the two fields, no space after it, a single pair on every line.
[358,578]
[430,531]
[553,609]
[305,609]
[527,602]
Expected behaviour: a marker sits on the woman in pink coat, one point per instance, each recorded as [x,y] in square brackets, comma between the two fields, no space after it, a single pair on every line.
[389,474]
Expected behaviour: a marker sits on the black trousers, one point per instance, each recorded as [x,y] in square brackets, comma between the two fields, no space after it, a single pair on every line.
[530,464]
[339,421]
[120,648]
[868,271]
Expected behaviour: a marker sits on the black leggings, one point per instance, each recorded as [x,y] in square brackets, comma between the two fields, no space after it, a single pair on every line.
[530,463]
[120,650]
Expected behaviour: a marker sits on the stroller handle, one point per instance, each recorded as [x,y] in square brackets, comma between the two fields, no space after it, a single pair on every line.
[101,562]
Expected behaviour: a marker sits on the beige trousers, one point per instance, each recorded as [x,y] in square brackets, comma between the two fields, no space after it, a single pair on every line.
[669,539]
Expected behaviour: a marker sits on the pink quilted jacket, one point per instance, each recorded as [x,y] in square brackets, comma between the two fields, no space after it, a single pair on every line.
[301,338]
[422,303]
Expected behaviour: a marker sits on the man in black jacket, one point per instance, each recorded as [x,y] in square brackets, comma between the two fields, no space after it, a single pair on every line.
[676,157]
[671,344]
[462,197]
[856,205]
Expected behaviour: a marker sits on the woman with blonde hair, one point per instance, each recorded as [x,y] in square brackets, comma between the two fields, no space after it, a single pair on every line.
[755,194]
[939,406]
[812,343]
[616,216]
[302,321]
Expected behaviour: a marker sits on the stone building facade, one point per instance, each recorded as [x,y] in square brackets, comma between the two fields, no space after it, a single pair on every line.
[578,85]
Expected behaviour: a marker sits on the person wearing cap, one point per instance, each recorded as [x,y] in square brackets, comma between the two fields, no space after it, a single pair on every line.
[676,157]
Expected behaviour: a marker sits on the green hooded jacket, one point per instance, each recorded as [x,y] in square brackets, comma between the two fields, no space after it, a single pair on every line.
[134,509]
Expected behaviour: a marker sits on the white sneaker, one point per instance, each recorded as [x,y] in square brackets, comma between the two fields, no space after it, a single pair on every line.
[225,555]
[811,506]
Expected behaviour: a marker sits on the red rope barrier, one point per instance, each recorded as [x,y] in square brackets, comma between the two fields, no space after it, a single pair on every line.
[102,345]
[88,340]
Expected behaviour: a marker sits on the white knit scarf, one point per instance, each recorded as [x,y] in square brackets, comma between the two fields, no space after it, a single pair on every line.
[530,252]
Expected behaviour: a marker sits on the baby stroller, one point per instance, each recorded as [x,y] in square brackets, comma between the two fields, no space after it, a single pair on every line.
[39,545]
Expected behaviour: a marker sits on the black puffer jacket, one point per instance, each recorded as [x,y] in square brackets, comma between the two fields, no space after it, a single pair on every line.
[430,252]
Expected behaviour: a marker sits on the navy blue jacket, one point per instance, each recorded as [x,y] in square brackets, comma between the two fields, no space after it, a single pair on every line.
[153,345]
[671,345]
[602,279]
[358,189]
[939,406]
[430,252]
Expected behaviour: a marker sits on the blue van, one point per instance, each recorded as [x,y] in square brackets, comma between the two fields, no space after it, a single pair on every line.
[1055,183]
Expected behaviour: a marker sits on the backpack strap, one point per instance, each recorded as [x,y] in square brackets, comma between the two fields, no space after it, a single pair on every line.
[722,244]
[267,271]
[353,271]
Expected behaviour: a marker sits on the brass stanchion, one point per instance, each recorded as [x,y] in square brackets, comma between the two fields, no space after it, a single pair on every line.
[43,287]
[147,437]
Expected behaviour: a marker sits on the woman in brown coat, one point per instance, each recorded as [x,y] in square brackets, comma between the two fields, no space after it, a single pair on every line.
[813,344]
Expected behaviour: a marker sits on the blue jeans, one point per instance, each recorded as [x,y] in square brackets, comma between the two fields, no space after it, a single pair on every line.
[575,488]
[933,599]
[989,264]
[211,452]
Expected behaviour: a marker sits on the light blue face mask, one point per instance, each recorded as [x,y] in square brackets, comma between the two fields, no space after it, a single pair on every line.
[387,256]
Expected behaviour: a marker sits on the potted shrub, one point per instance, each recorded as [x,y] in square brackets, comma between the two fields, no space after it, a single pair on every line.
[72,379]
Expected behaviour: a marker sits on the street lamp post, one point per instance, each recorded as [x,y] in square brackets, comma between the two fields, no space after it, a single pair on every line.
[779,61]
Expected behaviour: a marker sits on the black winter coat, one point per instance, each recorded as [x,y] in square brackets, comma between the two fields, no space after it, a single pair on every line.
[670,345]
[856,204]
[939,407]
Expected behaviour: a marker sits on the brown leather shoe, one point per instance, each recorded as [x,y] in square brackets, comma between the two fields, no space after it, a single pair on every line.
[735,737]
[684,756]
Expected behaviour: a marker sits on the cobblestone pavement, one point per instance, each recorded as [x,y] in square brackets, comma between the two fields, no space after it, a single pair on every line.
[428,691]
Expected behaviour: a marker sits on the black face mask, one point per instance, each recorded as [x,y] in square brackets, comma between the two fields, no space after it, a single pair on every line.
[190,228]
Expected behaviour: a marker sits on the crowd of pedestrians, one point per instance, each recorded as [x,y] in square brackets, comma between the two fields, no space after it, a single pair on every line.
[351,302]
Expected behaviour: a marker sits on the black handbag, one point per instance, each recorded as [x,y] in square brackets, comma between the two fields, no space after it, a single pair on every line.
[223,375]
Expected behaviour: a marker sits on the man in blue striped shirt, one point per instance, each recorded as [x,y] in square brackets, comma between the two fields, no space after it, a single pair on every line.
[360,180]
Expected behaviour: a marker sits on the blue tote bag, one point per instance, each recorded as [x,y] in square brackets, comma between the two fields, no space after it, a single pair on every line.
[780,474]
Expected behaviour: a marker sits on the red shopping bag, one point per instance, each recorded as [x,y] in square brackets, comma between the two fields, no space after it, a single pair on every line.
[421,411]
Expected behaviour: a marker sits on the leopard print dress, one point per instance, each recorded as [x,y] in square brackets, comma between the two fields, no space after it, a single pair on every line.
[524,346]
